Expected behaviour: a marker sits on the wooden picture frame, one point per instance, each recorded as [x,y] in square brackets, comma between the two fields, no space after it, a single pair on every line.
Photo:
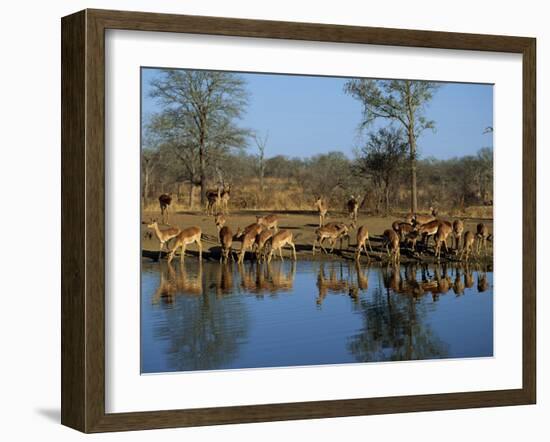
[83,220]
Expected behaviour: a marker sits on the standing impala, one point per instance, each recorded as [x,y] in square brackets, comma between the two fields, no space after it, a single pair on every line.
[440,237]
[392,243]
[219,220]
[402,229]
[213,200]
[269,222]
[225,195]
[262,239]
[353,207]
[163,235]
[362,239]
[248,239]
[164,202]
[467,245]
[322,208]
[255,228]
[332,232]
[278,241]
[419,218]
[482,235]
[458,228]
[184,238]
[226,240]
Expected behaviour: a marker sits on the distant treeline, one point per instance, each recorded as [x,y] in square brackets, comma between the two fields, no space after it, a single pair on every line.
[380,182]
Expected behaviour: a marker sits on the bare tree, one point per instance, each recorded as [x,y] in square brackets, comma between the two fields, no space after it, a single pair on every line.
[198,120]
[402,101]
[261,143]
[149,161]
[382,159]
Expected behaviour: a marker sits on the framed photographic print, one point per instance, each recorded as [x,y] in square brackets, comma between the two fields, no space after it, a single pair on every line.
[270,220]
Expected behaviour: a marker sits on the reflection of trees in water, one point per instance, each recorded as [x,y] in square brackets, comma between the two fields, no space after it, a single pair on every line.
[205,317]
[394,323]
[395,318]
[203,332]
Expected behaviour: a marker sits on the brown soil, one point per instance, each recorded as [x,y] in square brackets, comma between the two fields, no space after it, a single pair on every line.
[302,224]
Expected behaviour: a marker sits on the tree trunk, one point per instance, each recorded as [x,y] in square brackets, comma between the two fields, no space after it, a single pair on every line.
[145,187]
[191,195]
[412,145]
[202,173]
[387,195]
[262,166]
[202,158]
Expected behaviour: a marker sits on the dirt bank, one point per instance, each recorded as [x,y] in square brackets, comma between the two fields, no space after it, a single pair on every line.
[302,224]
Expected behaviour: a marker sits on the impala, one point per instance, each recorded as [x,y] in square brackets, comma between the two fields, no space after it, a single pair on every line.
[224,198]
[443,231]
[392,239]
[402,229]
[255,228]
[362,239]
[248,239]
[332,232]
[458,228]
[322,208]
[482,235]
[219,220]
[262,239]
[226,240]
[278,241]
[428,229]
[419,218]
[353,207]
[346,228]
[164,202]
[163,235]
[268,222]
[213,200]
[467,245]
[184,238]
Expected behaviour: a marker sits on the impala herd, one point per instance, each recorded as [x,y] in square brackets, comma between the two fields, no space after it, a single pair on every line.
[263,238]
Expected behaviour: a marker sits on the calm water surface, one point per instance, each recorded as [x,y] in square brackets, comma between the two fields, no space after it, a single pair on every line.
[216,316]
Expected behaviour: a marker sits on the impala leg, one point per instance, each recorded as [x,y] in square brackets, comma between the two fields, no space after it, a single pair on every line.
[199,243]
[293,251]
[172,253]
[182,257]
[281,253]
[321,245]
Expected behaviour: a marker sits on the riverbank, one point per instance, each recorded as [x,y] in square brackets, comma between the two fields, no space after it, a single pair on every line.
[303,225]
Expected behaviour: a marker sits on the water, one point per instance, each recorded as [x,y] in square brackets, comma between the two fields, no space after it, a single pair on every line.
[215,316]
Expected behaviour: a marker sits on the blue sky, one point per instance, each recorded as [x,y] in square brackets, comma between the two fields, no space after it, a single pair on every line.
[308,115]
